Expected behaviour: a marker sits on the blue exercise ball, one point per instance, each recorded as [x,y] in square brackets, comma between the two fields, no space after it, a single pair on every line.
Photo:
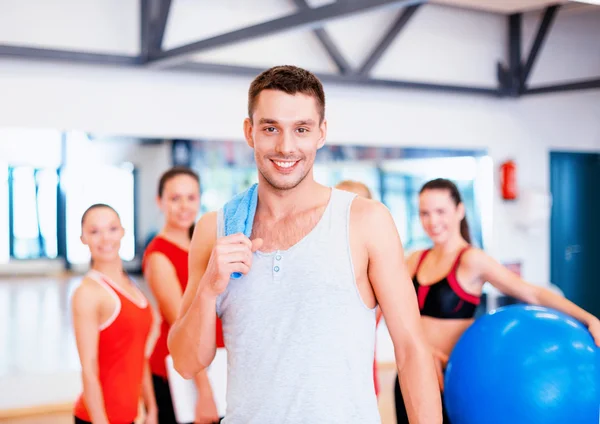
[524,365]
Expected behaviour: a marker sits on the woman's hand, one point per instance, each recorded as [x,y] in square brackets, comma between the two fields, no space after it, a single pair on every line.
[151,416]
[594,329]
[206,409]
[441,360]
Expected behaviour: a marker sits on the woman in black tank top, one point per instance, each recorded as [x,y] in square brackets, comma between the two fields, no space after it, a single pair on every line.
[449,277]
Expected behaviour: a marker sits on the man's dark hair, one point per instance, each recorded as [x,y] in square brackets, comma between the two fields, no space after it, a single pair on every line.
[290,80]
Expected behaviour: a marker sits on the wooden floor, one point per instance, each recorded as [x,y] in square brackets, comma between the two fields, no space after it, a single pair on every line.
[39,366]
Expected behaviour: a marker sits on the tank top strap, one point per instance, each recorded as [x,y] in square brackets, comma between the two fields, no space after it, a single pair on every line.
[141,302]
[101,279]
[337,214]
[421,259]
[457,260]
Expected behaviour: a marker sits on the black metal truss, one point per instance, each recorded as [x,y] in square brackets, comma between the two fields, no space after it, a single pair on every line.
[512,77]
[540,37]
[55,55]
[571,86]
[328,44]
[387,39]
[307,17]
[350,79]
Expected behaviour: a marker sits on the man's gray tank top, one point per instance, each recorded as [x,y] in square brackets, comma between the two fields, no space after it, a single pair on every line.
[300,341]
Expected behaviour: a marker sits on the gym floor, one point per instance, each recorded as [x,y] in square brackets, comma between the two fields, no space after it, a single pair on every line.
[39,366]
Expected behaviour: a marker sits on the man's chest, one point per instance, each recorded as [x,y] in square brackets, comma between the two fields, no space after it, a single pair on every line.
[284,233]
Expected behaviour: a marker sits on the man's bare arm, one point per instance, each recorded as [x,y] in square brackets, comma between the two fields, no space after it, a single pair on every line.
[192,339]
[397,299]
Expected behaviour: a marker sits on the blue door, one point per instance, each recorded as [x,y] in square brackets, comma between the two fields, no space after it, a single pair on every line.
[575,227]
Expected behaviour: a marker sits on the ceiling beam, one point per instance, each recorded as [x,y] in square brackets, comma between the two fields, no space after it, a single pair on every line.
[387,39]
[350,79]
[509,76]
[328,44]
[310,17]
[161,24]
[145,29]
[571,86]
[43,54]
[541,36]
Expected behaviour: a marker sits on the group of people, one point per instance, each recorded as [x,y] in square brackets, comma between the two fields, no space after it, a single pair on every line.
[320,268]
[112,318]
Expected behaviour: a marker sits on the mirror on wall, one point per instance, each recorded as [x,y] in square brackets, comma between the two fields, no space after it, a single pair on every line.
[49,177]
[394,175]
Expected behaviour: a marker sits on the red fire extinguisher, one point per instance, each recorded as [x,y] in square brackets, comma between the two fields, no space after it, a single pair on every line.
[508,180]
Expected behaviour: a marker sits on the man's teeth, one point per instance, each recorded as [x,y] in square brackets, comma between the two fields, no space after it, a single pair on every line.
[284,164]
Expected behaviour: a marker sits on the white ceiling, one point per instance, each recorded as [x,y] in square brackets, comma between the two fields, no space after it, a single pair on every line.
[506,6]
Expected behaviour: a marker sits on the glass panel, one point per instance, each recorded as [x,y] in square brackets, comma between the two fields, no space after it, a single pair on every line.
[4,215]
[111,185]
[25,211]
[47,180]
[34,212]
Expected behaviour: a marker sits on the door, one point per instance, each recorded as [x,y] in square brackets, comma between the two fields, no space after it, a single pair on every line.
[575,227]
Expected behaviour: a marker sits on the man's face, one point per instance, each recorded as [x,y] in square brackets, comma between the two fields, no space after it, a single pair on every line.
[285,134]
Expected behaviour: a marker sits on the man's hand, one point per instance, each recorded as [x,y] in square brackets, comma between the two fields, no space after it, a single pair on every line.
[231,254]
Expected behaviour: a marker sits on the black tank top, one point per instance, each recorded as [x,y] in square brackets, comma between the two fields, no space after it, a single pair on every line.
[445,299]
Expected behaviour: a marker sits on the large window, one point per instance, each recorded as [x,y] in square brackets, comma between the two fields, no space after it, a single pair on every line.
[403,180]
[220,184]
[33,218]
[112,185]
[4,215]
[394,176]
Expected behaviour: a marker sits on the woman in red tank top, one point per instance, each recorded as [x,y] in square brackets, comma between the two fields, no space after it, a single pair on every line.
[165,267]
[112,320]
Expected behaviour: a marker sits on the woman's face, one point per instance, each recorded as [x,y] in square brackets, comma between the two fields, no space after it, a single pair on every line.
[102,232]
[440,216]
[180,201]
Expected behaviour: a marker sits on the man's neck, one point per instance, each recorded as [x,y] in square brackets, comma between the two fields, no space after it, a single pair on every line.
[280,203]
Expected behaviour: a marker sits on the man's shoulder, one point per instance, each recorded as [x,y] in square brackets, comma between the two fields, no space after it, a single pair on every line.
[370,219]
[368,209]
[208,220]
[206,228]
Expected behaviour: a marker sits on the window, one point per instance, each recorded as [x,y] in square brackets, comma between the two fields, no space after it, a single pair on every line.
[33,200]
[332,173]
[4,215]
[112,185]
[404,179]
[219,185]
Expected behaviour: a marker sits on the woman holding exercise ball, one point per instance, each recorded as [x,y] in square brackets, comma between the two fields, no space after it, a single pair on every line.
[165,267]
[449,278]
[112,321]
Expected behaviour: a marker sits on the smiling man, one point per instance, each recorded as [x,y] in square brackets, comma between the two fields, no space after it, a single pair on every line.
[299,326]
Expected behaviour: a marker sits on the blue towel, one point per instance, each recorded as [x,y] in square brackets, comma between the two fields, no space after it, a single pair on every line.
[238,215]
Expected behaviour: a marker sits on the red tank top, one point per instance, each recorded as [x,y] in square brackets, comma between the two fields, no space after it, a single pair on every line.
[121,355]
[179,258]
[375,378]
